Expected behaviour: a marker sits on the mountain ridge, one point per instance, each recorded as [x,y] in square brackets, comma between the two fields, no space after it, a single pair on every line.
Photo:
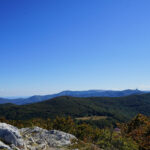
[88,93]
[120,108]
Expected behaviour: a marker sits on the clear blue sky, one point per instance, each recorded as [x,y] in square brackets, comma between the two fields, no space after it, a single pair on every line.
[48,46]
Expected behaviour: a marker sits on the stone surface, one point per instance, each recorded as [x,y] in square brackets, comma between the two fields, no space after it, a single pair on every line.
[43,138]
[4,146]
[32,138]
[11,135]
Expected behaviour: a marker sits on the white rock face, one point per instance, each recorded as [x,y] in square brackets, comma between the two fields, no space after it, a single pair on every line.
[11,135]
[44,138]
[32,138]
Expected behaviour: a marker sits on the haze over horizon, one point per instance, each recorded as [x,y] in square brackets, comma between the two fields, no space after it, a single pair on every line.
[84,92]
[38,94]
[50,46]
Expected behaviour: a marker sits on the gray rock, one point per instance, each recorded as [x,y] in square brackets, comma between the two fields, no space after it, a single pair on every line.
[15,148]
[44,138]
[11,135]
[4,146]
[33,138]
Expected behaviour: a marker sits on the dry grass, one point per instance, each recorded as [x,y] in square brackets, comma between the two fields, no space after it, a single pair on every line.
[80,145]
[92,118]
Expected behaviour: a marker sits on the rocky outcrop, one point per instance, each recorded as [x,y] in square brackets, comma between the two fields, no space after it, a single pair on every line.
[43,139]
[11,135]
[35,138]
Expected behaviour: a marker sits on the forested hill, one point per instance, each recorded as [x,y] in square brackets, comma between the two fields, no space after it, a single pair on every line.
[89,93]
[119,108]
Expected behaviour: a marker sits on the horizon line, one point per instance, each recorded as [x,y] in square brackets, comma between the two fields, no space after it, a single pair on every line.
[13,97]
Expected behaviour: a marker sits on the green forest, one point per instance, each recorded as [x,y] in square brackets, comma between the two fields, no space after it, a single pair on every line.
[133,135]
[110,123]
[117,108]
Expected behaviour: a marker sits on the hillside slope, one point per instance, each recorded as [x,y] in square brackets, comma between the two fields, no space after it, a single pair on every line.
[119,108]
[90,93]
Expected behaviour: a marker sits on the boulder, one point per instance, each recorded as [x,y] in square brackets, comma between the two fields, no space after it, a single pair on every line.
[11,135]
[35,138]
[44,138]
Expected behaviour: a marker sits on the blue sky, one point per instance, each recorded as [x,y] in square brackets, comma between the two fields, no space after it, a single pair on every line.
[47,46]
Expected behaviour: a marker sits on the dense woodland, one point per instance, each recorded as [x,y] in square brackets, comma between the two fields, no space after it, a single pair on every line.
[120,108]
[106,138]
[133,135]
[120,112]
[139,130]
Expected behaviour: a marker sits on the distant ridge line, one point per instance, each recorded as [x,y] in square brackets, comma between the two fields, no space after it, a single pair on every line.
[88,93]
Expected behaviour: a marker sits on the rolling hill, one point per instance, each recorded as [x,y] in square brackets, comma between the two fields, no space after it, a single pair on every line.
[90,93]
[118,108]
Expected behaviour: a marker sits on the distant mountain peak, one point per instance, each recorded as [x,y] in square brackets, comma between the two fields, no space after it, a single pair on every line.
[88,93]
